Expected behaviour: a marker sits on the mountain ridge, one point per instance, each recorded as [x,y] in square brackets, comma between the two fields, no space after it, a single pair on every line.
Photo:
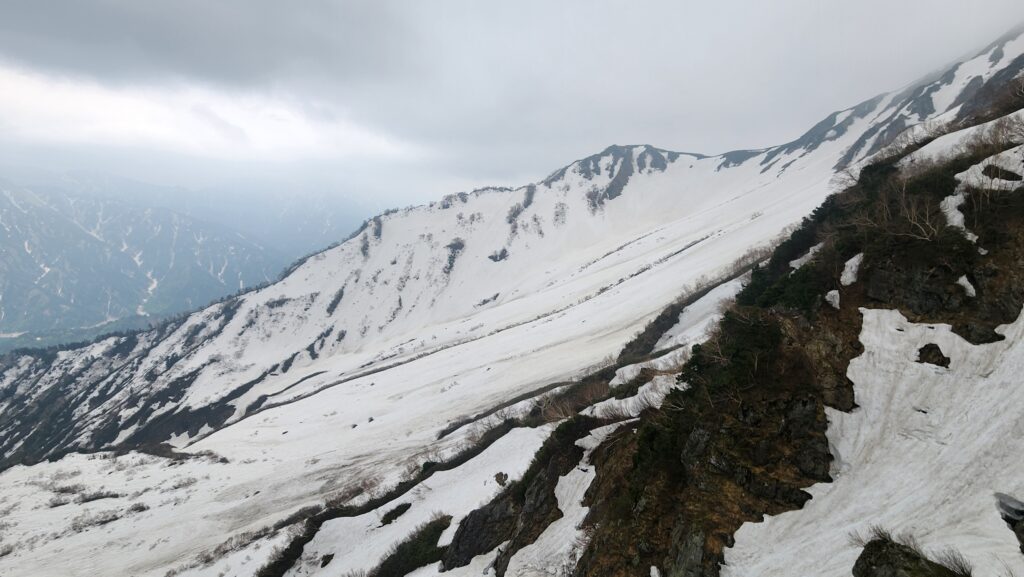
[598,189]
[369,363]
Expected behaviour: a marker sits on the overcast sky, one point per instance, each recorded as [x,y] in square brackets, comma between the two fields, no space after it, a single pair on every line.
[401,102]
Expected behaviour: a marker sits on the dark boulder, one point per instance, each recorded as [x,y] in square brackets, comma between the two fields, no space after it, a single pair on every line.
[1011,510]
[932,354]
[884,558]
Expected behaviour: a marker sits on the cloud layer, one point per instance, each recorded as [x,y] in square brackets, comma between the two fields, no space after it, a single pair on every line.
[405,100]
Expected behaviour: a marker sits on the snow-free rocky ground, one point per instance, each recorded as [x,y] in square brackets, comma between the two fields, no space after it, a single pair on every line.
[340,376]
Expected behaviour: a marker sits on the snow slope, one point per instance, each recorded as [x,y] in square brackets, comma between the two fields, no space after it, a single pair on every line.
[341,375]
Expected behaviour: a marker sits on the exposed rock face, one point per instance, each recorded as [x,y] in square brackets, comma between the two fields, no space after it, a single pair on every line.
[672,495]
[882,558]
[932,354]
[524,509]
[1011,510]
[748,434]
[481,531]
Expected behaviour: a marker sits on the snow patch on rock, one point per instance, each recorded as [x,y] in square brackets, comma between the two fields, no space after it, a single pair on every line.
[851,269]
[923,453]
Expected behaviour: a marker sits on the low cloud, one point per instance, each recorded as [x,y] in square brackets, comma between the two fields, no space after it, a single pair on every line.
[399,101]
[181,118]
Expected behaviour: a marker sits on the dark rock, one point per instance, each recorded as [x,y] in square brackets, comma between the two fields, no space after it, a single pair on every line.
[721,464]
[932,354]
[840,397]
[481,531]
[977,333]
[801,416]
[762,453]
[883,558]
[1011,510]
[993,171]
[814,461]
[525,508]
[689,561]
[696,443]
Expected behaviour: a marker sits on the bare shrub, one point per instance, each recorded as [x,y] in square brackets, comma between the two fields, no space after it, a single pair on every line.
[875,533]
[65,474]
[296,516]
[182,483]
[586,393]
[96,496]
[417,550]
[86,520]
[55,502]
[614,412]
[394,513]
[898,213]
[951,559]
[956,562]
[556,409]
[991,139]
[912,139]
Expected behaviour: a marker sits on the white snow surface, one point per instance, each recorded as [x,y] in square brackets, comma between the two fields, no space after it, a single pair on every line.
[832,298]
[669,362]
[797,263]
[968,287]
[974,179]
[650,394]
[850,270]
[952,144]
[954,217]
[359,543]
[701,316]
[923,454]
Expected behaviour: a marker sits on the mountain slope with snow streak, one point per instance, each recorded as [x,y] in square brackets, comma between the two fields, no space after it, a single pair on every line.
[337,381]
[72,266]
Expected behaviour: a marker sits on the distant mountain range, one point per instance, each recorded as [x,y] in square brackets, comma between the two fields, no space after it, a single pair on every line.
[73,266]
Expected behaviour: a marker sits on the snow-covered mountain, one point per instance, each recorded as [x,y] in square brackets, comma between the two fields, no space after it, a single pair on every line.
[71,264]
[373,361]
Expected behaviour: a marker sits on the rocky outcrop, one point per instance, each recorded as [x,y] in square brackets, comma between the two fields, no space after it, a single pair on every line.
[1011,510]
[525,508]
[747,435]
[932,354]
[884,558]
[725,453]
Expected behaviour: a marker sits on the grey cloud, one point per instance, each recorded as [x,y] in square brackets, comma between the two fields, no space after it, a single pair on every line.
[231,41]
[500,91]
[211,118]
